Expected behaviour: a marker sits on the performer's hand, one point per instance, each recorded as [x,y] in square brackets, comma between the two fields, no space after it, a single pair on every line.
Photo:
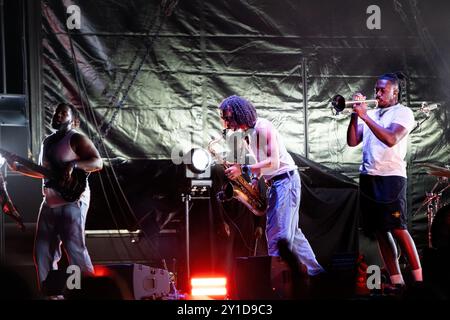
[226,229]
[360,108]
[233,172]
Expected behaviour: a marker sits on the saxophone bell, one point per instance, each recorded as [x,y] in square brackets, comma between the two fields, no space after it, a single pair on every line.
[227,192]
[250,200]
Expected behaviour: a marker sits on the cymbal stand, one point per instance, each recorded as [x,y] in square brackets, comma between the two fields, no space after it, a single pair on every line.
[433,203]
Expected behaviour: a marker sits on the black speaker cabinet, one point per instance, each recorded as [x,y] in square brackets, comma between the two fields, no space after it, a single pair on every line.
[261,278]
[123,246]
[112,282]
[138,281]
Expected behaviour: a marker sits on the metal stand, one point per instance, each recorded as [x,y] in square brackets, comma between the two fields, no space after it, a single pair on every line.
[433,206]
[186,199]
[433,203]
[199,188]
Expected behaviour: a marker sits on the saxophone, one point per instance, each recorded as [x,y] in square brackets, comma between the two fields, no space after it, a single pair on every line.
[239,189]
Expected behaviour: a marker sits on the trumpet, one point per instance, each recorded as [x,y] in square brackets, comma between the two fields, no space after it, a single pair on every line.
[338,102]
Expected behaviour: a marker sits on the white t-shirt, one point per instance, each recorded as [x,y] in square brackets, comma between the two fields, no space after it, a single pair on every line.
[260,154]
[378,158]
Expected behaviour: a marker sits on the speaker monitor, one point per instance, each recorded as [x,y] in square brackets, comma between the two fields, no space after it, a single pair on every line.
[142,281]
[262,278]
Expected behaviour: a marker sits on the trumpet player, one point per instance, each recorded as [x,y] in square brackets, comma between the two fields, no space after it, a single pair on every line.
[276,166]
[383,133]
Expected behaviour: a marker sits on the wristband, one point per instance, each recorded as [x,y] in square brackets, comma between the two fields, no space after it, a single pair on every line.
[246,169]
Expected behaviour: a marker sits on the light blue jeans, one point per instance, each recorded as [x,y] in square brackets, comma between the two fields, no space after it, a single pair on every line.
[282,222]
[64,224]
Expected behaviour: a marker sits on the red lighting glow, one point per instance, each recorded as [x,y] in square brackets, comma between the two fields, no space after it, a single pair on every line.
[101,271]
[209,286]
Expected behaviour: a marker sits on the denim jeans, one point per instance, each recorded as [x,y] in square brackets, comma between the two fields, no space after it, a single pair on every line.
[64,224]
[282,222]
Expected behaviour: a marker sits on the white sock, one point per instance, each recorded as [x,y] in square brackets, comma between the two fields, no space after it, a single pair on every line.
[417,274]
[397,279]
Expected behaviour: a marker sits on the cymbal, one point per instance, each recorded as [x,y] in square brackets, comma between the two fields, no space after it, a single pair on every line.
[435,170]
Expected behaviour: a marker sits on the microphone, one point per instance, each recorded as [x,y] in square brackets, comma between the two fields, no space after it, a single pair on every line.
[427,108]
[7,206]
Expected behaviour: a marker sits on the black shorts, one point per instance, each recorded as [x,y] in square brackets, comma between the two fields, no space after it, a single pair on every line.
[382,203]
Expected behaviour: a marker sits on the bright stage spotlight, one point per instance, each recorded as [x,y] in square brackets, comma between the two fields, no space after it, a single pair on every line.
[200,159]
[198,164]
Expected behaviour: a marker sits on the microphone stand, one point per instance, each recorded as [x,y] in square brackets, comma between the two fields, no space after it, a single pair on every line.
[419,123]
[425,109]
[200,190]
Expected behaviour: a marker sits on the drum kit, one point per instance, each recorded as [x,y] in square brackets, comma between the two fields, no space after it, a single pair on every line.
[438,214]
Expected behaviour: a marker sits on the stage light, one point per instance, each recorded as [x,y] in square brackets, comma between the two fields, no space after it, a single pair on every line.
[101,271]
[200,159]
[198,170]
[198,163]
[211,287]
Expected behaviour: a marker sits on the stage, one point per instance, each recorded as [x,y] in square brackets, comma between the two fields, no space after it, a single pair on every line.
[147,80]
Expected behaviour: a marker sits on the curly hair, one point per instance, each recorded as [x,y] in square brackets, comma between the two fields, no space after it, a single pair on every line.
[243,111]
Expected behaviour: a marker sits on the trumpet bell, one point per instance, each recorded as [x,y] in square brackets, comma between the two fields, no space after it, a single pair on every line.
[338,103]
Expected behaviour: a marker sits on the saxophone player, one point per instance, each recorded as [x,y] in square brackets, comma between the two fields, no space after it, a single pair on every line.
[276,166]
